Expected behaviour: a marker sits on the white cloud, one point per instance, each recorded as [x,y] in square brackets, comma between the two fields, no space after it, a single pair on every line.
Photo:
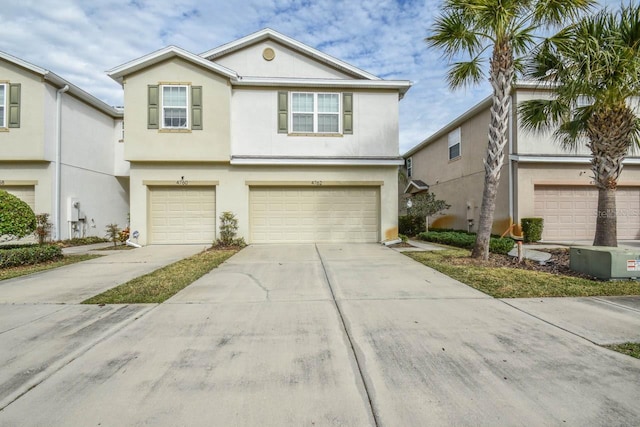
[79,40]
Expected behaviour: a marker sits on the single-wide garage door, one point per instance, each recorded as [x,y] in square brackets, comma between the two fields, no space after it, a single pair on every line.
[569,212]
[312,214]
[25,193]
[182,214]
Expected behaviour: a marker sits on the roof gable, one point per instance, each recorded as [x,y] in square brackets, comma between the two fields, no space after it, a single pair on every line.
[268,34]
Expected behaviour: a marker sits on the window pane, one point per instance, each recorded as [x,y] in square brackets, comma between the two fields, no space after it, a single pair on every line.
[2,95]
[327,123]
[2,87]
[303,122]
[302,102]
[175,117]
[454,151]
[174,96]
[328,103]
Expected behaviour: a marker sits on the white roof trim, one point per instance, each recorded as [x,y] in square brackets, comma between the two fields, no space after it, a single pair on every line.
[412,183]
[401,85]
[59,82]
[165,53]
[253,160]
[268,33]
[564,159]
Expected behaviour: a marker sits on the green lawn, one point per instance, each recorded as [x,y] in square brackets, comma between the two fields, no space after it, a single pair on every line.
[11,272]
[629,348]
[504,282]
[162,284]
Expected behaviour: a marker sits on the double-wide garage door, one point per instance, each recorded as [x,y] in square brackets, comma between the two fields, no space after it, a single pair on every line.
[569,212]
[313,214]
[182,214]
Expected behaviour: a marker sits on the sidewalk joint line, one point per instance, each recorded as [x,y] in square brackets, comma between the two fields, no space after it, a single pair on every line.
[350,339]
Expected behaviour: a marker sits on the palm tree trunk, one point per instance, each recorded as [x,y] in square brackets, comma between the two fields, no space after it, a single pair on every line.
[607,220]
[501,72]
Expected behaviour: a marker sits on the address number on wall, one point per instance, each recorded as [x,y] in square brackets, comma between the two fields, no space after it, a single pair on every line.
[316,183]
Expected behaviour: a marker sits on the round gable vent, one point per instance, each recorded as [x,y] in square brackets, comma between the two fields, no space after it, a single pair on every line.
[268,54]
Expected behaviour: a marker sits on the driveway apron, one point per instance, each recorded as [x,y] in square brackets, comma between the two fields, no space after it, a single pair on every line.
[335,334]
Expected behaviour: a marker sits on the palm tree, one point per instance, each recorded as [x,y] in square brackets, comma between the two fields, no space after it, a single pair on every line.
[470,28]
[593,72]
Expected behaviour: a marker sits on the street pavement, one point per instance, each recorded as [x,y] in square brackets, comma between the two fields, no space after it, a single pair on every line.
[326,334]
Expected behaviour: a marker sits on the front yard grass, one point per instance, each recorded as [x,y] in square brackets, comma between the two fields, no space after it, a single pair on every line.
[629,348]
[505,282]
[23,270]
[162,284]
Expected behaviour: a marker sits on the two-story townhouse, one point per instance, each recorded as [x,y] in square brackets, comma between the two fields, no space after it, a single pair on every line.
[539,178]
[60,150]
[300,146]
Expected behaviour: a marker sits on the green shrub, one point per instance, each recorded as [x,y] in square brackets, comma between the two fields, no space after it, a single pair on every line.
[228,231]
[532,229]
[113,232]
[462,239]
[33,254]
[403,238]
[43,229]
[16,217]
[411,225]
[80,241]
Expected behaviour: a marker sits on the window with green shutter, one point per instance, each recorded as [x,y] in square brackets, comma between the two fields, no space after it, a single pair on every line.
[196,107]
[14,105]
[153,106]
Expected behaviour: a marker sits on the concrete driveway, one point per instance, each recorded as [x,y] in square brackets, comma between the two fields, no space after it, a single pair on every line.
[350,335]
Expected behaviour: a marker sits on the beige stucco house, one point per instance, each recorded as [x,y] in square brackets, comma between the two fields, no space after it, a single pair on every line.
[60,150]
[539,178]
[300,146]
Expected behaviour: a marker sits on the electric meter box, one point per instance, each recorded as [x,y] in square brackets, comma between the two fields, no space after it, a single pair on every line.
[605,262]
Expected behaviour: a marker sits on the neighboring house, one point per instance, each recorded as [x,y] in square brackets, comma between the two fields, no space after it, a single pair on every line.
[300,146]
[59,150]
[538,179]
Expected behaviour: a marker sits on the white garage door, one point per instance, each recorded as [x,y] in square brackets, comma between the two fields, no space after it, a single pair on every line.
[25,193]
[569,212]
[328,214]
[182,214]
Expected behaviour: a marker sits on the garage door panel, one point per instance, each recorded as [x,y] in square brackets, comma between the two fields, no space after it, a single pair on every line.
[26,193]
[570,212]
[292,214]
[182,214]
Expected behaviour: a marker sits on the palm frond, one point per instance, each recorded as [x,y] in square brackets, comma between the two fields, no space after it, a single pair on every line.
[453,34]
[465,73]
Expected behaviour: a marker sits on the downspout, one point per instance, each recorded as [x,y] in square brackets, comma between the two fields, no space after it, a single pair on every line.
[58,160]
[511,131]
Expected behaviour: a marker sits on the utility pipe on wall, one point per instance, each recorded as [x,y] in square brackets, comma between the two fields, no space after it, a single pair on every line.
[58,160]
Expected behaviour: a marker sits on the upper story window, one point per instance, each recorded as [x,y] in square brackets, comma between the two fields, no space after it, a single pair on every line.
[409,164]
[315,112]
[454,144]
[3,106]
[174,107]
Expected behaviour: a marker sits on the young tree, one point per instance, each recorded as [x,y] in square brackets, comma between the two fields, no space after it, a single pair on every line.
[471,28]
[425,204]
[593,72]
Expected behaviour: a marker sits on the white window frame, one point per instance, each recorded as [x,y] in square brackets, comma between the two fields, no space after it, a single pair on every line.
[454,138]
[409,166]
[186,107]
[3,116]
[315,112]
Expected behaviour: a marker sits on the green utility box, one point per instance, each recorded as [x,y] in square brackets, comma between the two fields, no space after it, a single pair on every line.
[605,262]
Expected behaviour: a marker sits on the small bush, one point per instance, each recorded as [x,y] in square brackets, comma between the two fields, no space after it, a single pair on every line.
[43,228]
[403,238]
[16,217]
[80,241]
[466,240]
[532,229]
[123,236]
[411,225]
[113,231]
[228,231]
[29,255]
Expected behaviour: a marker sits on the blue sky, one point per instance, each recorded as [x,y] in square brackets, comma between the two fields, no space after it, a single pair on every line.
[79,40]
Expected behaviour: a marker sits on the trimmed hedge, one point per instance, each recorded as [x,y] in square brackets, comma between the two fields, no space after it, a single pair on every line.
[532,229]
[411,225]
[29,255]
[16,217]
[461,239]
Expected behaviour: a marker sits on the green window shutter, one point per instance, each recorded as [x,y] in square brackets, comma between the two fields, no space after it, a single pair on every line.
[283,112]
[196,107]
[347,113]
[14,105]
[153,107]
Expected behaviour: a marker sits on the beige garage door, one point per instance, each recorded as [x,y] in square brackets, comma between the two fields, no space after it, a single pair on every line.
[25,193]
[328,214]
[182,214]
[569,212]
